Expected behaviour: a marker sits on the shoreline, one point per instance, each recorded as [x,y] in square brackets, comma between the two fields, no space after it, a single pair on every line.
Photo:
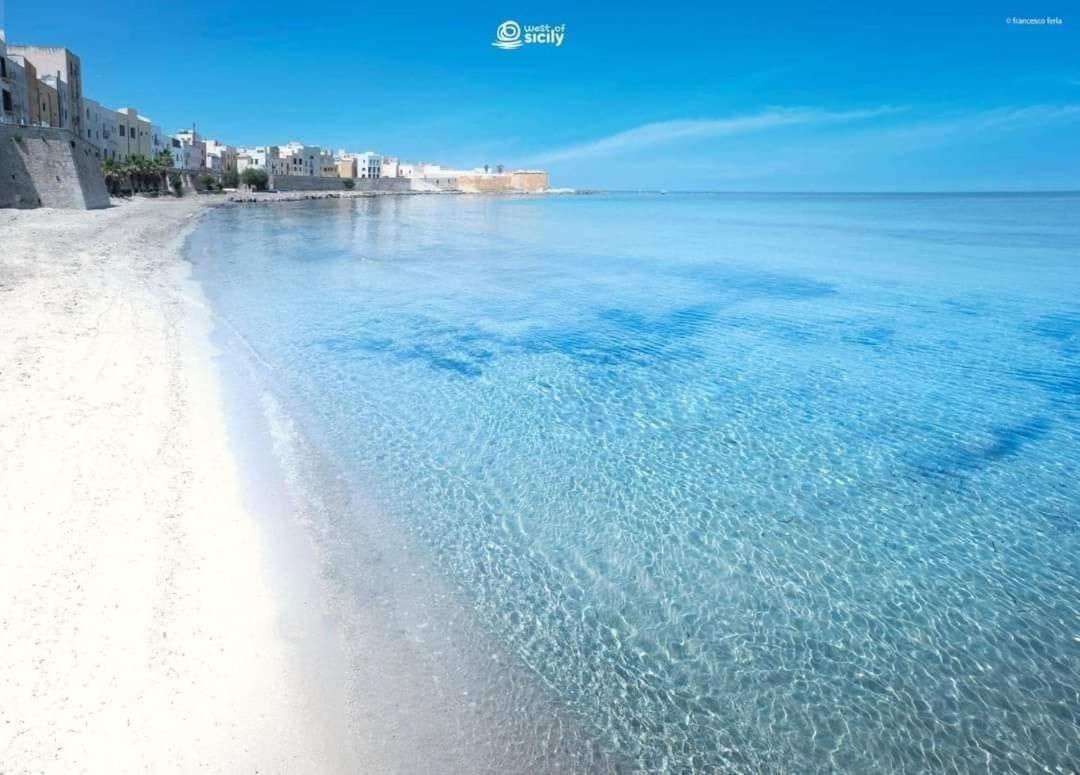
[144,626]
[429,688]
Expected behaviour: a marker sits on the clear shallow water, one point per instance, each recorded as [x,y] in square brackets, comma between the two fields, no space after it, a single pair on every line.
[746,483]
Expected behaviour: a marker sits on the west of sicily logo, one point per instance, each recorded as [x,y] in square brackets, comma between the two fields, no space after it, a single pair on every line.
[509,35]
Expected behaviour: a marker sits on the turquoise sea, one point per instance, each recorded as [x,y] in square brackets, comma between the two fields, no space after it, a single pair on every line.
[683,483]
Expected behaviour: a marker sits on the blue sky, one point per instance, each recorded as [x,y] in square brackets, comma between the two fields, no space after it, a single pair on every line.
[749,96]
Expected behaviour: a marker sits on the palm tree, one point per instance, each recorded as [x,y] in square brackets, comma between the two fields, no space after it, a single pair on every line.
[162,164]
[142,170]
[112,176]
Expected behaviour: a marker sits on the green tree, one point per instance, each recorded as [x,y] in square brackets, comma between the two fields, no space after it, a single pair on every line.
[230,179]
[140,170]
[177,183]
[256,178]
[349,184]
[111,170]
[162,164]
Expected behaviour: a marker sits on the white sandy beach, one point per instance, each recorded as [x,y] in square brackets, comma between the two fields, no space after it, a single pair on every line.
[140,629]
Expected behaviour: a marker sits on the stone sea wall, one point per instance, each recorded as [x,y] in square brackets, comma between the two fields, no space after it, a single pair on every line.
[49,167]
[304,183]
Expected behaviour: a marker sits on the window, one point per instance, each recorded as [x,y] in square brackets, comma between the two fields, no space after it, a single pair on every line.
[7,100]
[121,130]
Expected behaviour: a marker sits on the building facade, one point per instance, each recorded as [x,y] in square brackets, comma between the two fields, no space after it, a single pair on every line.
[17,86]
[368,165]
[220,157]
[188,150]
[49,112]
[159,141]
[346,167]
[267,157]
[301,160]
[62,69]
[7,90]
[133,134]
[328,165]
[390,167]
[101,127]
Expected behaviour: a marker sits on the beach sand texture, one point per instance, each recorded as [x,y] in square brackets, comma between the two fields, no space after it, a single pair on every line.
[139,629]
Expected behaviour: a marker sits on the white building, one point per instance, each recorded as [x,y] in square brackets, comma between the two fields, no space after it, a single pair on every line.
[266,157]
[368,165]
[220,157]
[158,141]
[100,125]
[391,167]
[188,150]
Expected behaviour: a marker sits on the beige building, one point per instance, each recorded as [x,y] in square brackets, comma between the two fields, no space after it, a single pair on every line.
[65,67]
[529,180]
[132,134]
[346,167]
[49,104]
[484,181]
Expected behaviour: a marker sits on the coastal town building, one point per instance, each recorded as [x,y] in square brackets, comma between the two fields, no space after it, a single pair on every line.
[390,167]
[43,86]
[327,165]
[133,135]
[267,157]
[62,69]
[33,90]
[49,112]
[220,157]
[7,97]
[301,160]
[101,127]
[346,167]
[188,150]
[59,117]
[158,141]
[17,103]
[368,165]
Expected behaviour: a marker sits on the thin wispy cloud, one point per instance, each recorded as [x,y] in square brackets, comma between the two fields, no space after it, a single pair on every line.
[667,132]
[963,126]
[851,151]
[861,148]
